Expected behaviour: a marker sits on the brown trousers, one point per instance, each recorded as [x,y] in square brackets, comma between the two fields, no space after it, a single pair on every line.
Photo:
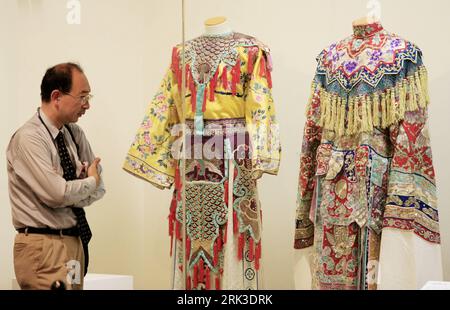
[40,260]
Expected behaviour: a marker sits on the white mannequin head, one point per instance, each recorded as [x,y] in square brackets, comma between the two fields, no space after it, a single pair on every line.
[217,26]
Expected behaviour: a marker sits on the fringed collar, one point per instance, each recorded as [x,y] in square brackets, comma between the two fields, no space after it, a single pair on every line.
[353,60]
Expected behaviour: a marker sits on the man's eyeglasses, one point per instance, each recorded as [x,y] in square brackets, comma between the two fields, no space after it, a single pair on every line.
[83,99]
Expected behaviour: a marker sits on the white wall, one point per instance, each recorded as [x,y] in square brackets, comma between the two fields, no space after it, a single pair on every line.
[8,113]
[125,47]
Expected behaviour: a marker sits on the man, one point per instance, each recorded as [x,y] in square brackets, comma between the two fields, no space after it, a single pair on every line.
[53,174]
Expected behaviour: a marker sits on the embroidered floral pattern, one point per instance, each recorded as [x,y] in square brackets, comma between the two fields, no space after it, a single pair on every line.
[364,31]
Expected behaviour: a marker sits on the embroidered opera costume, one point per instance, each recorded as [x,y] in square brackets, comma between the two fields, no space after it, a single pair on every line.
[367,181]
[228,111]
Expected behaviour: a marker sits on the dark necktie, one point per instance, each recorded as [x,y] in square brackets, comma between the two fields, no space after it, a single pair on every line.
[69,174]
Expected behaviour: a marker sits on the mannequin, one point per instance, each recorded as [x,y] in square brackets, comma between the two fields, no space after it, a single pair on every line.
[397,253]
[217,26]
[398,267]
[227,76]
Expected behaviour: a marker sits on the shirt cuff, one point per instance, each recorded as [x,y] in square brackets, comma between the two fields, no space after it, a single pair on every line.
[89,187]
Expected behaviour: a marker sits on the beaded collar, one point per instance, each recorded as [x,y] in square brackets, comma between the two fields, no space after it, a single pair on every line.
[366,31]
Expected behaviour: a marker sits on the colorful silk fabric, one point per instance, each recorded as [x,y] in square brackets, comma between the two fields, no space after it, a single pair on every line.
[366,161]
[229,112]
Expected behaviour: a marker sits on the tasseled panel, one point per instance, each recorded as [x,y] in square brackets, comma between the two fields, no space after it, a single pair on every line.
[203,273]
[364,117]
[175,67]
[224,78]
[376,111]
[323,107]
[341,122]
[212,86]
[257,255]
[226,192]
[350,127]
[235,223]
[218,247]
[205,98]
[412,94]
[178,230]
[262,67]
[251,249]
[172,220]
[395,109]
[195,276]
[216,254]
[201,270]
[187,75]
[208,274]
[193,90]
[332,120]
[188,283]
[402,99]
[171,217]
[218,283]
[208,279]
[220,240]
[358,114]
[188,248]
[178,76]
[369,104]
[171,244]
[201,278]
[236,77]
[390,119]
[251,59]
[175,63]
[383,111]
[265,70]
[178,183]
[241,244]
[225,234]
[269,78]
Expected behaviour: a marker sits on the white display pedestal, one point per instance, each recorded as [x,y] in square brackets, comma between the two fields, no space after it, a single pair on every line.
[94,281]
[436,285]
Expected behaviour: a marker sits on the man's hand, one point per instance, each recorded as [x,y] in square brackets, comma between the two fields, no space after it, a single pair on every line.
[92,170]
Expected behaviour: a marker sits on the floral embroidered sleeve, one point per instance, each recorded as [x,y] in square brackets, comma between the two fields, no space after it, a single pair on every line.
[411,201]
[260,114]
[304,227]
[150,154]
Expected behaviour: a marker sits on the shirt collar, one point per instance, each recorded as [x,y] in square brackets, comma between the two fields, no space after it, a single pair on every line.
[53,130]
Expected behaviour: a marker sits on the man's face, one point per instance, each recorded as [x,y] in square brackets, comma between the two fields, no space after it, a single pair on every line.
[73,105]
